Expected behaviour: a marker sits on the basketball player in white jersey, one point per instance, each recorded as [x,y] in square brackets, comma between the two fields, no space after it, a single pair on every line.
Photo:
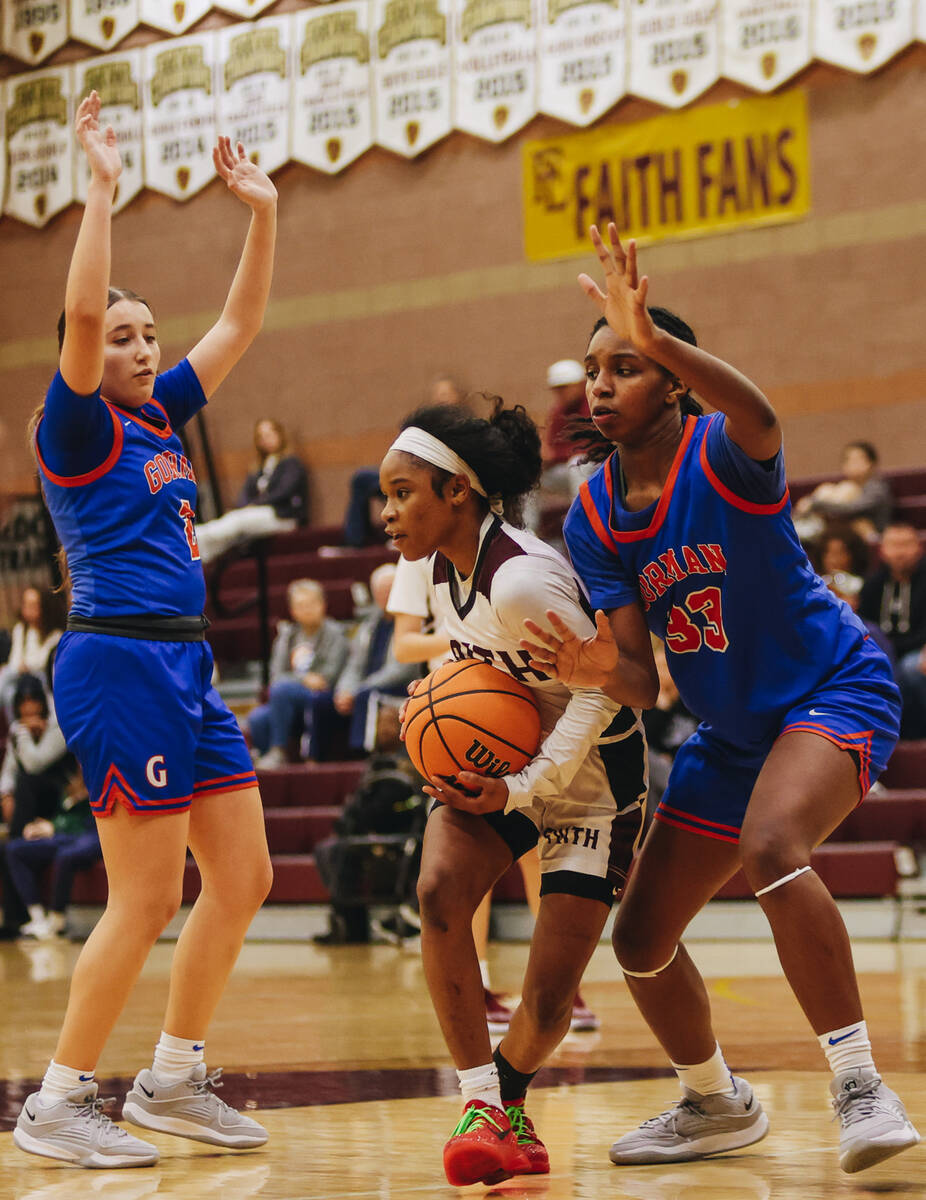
[446,479]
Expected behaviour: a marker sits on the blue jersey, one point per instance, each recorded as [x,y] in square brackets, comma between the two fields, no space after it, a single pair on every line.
[749,628]
[122,496]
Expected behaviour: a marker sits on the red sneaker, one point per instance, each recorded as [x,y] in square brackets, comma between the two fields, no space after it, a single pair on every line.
[498,1017]
[534,1149]
[483,1148]
[582,1016]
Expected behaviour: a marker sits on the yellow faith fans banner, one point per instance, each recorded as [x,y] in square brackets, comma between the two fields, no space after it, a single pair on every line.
[720,167]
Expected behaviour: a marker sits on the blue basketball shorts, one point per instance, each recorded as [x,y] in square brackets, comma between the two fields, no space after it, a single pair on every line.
[712,779]
[145,723]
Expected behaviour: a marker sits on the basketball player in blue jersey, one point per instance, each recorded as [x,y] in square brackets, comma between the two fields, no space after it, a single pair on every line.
[164,760]
[446,479]
[689,516]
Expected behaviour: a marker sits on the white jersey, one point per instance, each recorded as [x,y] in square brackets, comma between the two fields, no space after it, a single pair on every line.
[410,596]
[580,777]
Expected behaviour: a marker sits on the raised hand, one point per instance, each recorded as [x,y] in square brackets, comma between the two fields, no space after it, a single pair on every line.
[623,301]
[98,145]
[575,661]
[245,178]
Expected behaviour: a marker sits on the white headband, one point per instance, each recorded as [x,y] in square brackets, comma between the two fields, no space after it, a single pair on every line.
[432,450]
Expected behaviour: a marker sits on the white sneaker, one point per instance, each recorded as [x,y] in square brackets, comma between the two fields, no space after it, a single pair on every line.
[191,1109]
[874,1122]
[696,1127]
[76,1131]
[275,757]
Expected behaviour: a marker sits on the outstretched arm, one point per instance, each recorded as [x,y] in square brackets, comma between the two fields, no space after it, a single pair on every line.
[88,276]
[751,420]
[217,351]
[618,658]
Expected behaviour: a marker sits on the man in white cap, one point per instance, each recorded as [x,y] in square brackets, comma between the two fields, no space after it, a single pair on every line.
[559,483]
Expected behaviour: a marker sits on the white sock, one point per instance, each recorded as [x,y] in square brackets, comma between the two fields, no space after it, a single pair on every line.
[847,1048]
[59,1080]
[480,1083]
[37,914]
[484,972]
[707,1078]
[175,1058]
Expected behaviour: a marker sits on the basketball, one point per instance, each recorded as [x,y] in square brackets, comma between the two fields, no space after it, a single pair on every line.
[468,716]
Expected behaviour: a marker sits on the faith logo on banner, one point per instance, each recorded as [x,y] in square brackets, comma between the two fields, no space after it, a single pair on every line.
[494,66]
[179,115]
[674,49]
[103,25]
[411,74]
[332,90]
[709,169]
[40,146]
[243,8]
[583,58]
[765,42]
[254,78]
[173,16]
[117,79]
[861,36]
[33,29]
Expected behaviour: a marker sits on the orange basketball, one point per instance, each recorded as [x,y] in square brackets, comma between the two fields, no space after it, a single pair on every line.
[468,716]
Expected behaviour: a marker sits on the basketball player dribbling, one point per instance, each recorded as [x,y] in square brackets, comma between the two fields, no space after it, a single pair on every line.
[446,478]
[799,710]
[165,763]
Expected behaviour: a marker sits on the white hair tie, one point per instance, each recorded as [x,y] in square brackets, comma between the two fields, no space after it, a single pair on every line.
[424,445]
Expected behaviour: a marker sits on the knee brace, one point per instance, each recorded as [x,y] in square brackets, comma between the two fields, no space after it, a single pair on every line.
[783,880]
[649,974]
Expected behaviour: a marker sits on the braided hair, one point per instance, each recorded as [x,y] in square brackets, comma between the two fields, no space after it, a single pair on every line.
[581,430]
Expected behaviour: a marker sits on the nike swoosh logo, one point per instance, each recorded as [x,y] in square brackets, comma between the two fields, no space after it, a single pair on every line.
[85,1078]
[30,1115]
[813,712]
[198,1048]
[150,1095]
[835,1041]
[749,1105]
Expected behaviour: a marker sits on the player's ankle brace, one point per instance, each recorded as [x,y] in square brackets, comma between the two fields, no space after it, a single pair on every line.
[512,1082]
[648,974]
[783,880]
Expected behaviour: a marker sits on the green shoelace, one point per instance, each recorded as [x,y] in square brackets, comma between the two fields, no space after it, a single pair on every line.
[471,1116]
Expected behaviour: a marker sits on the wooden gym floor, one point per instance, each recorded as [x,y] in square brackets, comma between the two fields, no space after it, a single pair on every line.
[338,1053]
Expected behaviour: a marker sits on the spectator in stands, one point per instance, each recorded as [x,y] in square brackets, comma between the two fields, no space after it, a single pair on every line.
[274,498]
[35,770]
[68,842]
[308,655]
[32,641]
[372,669]
[844,563]
[360,526]
[861,497]
[562,474]
[894,597]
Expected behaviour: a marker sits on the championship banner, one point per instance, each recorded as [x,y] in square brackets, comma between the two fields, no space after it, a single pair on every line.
[33,29]
[411,74]
[674,49]
[765,42]
[243,8]
[254,75]
[118,80]
[332,92]
[706,170]
[494,66]
[40,145]
[583,58]
[173,16]
[861,36]
[179,115]
[103,24]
